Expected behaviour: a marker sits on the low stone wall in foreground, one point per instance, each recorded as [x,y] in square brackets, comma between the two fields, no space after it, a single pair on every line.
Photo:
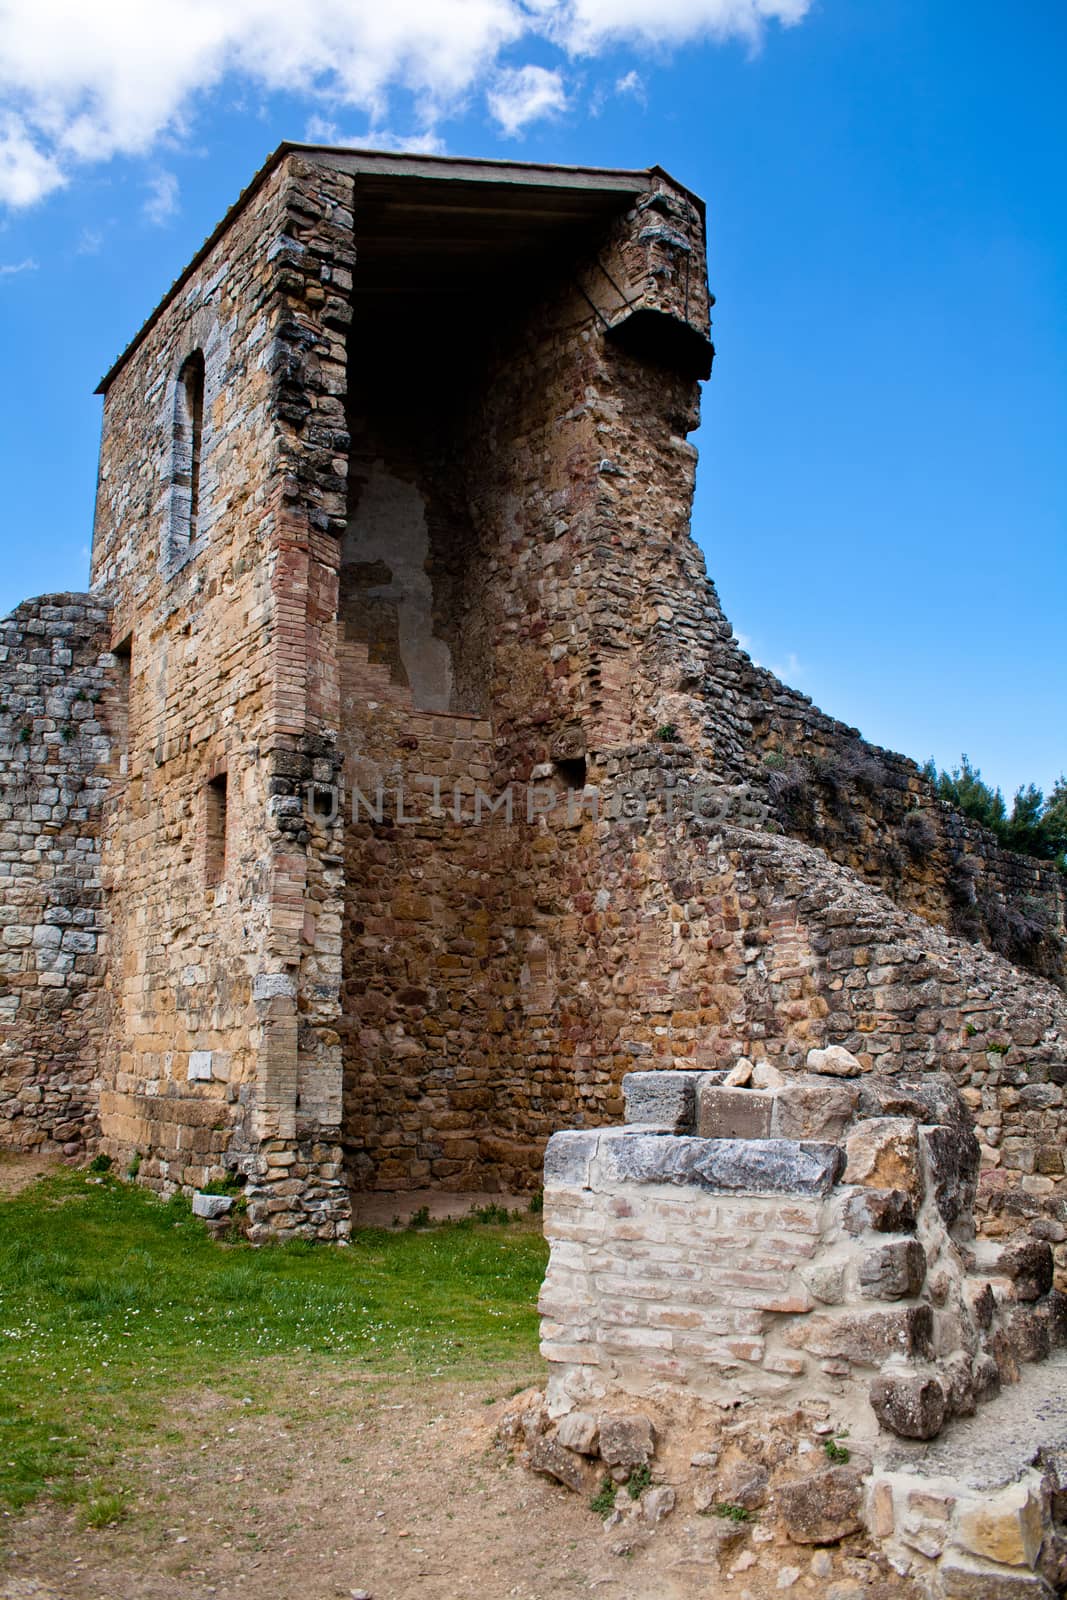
[793,1259]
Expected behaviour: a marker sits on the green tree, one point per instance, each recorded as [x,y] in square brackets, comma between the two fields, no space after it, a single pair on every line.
[1034,826]
[966,789]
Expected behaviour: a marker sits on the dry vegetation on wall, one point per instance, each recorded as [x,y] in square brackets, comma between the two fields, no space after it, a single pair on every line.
[943,844]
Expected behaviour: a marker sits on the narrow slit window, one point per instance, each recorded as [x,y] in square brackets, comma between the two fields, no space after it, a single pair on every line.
[120,713]
[215,826]
[189,443]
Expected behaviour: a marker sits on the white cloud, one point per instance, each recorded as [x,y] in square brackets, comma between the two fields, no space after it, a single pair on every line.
[631,83]
[320,130]
[792,670]
[26,173]
[519,95]
[162,202]
[585,26]
[9,269]
[83,82]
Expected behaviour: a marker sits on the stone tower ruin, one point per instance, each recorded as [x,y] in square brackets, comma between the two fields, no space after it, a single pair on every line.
[399,785]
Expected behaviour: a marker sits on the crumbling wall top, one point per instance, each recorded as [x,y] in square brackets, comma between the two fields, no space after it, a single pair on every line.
[556,193]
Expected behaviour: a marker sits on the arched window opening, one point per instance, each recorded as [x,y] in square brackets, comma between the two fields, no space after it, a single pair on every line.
[188,442]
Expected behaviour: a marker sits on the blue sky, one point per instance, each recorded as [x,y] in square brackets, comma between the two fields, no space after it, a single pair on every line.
[882,496]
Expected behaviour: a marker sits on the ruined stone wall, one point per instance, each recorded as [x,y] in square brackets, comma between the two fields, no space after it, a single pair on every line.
[764,1301]
[222,890]
[503,978]
[707,943]
[61,746]
[870,809]
[681,942]
[493,615]
[851,969]
[454,550]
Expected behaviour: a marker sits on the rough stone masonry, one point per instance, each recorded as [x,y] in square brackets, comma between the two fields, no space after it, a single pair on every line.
[769,1286]
[399,786]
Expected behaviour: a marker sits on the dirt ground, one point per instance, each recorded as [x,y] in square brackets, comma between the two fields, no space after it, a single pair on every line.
[334,1483]
[356,1487]
[19,1171]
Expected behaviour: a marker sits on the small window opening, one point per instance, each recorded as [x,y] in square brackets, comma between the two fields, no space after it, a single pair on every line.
[120,709]
[215,818]
[323,800]
[189,441]
[571,771]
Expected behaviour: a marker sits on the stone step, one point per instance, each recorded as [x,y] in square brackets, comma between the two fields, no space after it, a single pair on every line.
[978,1512]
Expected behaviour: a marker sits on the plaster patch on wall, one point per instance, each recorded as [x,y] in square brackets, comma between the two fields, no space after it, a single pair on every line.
[199,1066]
[389,530]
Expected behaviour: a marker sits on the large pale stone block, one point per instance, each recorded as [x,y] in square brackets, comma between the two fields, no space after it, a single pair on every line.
[569,1158]
[1005,1527]
[883,1153]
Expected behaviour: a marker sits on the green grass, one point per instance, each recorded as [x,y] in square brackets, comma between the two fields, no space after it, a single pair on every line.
[112,1302]
[733,1513]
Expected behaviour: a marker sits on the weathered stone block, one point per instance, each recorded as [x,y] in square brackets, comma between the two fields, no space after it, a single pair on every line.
[822,1508]
[866,1337]
[814,1110]
[1029,1265]
[627,1438]
[1056,1305]
[569,1158]
[985,1376]
[770,1166]
[661,1100]
[733,1113]
[929,1100]
[744,1484]
[827,1281]
[952,1158]
[1029,1333]
[957,1379]
[834,1062]
[1005,1527]
[199,1069]
[982,1302]
[657,1503]
[550,1457]
[211,1206]
[912,1405]
[881,1210]
[579,1431]
[884,1154]
[894,1271]
[963,1579]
